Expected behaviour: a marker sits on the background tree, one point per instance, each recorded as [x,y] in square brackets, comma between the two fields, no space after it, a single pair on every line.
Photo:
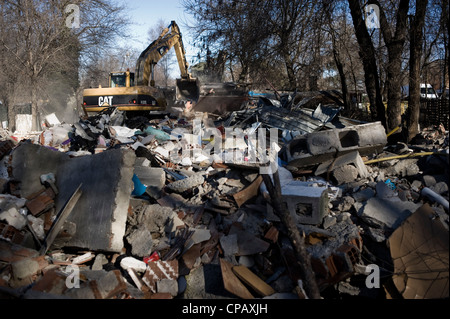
[417,22]
[394,40]
[367,55]
[42,48]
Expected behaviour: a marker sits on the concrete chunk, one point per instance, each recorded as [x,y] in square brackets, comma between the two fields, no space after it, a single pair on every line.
[183,185]
[141,242]
[133,263]
[341,162]
[13,218]
[167,286]
[151,176]
[386,213]
[101,212]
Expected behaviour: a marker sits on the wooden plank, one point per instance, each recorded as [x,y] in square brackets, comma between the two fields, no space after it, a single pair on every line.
[60,220]
[232,283]
[248,193]
[248,277]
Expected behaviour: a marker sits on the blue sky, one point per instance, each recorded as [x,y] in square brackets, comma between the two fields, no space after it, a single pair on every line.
[146,14]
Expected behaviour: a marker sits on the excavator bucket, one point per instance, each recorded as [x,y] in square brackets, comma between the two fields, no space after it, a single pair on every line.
[188,89]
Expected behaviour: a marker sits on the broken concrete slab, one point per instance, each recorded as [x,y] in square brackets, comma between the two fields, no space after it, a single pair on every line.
[141,242]
[188,183]
[386,213]
[247,243]
[111,284]
[100,215]
[229,244]
[151,176]
[352,158]
[404,168]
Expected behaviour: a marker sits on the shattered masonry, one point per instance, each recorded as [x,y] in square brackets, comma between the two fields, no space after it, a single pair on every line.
[176,207]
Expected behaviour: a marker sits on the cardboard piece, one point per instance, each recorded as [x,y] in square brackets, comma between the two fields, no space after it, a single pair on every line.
[420,252]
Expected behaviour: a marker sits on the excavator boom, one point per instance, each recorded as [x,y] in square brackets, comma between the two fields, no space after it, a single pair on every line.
[170,37]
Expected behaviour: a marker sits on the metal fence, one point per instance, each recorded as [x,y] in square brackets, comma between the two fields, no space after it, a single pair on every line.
[434,112]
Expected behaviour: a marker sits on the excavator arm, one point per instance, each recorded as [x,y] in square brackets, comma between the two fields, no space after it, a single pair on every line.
[169,37]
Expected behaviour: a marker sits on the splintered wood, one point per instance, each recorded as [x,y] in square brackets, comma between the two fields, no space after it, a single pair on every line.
[232,283]
[248,277]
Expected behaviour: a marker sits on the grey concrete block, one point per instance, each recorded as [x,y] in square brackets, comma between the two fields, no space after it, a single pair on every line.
[101,212]
[307,204]
[99,261]
[317,147]
[359,137]
[405,167]
[364,194]
[440,188]
[157,218]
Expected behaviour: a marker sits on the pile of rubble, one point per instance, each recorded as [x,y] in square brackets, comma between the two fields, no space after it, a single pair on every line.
[116,207]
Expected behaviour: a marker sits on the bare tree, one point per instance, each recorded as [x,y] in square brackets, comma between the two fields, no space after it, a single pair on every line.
[41,42]
[394,40]
[415,52]
[338,58]
[367,54]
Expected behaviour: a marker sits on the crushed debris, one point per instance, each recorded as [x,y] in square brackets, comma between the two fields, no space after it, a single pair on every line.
[176,207]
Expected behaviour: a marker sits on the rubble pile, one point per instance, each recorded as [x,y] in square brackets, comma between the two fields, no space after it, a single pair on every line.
[139,208]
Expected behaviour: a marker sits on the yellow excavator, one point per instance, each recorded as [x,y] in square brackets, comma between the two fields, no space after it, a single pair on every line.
[136,91]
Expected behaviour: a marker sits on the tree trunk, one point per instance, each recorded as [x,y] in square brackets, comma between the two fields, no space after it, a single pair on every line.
[345,96]
[415,53]
[34,106]
[367,54]
[394,89]
[304,260]
[290,70]
[394,43]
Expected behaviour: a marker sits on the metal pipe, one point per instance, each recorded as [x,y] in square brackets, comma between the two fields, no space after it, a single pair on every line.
[435,197]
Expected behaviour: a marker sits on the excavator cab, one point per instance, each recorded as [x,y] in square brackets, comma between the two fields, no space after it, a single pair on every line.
[121,79]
